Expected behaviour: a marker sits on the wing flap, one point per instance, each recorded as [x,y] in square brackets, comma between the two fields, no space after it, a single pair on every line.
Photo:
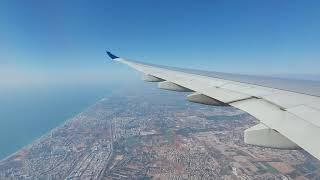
[311,115]
[287,99]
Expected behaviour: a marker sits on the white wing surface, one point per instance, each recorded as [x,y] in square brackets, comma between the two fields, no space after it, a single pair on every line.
[288,110]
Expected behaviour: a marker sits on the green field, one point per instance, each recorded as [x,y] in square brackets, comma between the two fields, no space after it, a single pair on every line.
[270,169]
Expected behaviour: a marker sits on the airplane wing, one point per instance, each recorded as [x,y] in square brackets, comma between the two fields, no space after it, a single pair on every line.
[288,110]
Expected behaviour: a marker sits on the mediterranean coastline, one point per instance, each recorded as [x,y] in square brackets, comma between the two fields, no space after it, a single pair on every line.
[153,134]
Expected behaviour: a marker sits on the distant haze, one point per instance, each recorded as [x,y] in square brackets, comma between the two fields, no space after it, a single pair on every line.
[256,37]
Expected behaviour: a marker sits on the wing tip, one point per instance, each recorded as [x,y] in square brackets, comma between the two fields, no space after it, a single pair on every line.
[112,56]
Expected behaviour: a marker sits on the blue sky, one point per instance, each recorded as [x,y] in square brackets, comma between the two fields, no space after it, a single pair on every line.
[69,38]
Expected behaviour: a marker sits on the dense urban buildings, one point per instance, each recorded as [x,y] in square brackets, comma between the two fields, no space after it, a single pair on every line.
[155,135]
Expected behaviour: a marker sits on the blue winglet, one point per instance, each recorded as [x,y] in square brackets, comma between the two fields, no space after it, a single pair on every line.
[112,56]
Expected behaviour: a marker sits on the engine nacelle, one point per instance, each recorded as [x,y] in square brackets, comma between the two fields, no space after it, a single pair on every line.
[203,99]
[262,135]
[172,87]
[150,78]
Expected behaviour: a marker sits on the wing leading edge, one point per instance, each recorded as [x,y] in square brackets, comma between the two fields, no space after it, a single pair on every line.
[289,118]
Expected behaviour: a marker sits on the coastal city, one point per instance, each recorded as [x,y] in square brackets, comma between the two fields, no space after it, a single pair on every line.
[155,135]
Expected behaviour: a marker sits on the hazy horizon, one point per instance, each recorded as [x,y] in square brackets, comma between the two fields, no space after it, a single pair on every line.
[49,38]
